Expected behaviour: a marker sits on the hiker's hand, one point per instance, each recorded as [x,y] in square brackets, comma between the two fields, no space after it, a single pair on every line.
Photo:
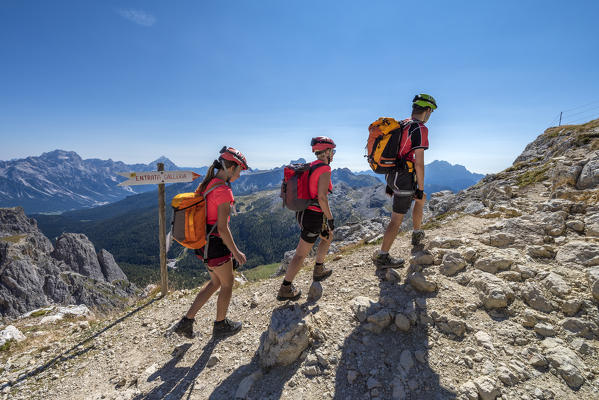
[327,235]
[240,257]
[419,195]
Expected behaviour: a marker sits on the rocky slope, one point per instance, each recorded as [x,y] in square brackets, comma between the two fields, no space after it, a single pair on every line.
[36,274]
[500,303]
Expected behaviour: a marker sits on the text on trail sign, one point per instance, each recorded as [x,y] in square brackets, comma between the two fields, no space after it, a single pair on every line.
[150,177]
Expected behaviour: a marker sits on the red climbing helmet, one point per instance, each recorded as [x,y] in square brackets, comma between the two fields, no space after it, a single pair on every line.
[229,153]
[321,143]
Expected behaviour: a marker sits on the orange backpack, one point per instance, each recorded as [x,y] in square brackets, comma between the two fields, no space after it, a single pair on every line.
[189,218]
[384,137]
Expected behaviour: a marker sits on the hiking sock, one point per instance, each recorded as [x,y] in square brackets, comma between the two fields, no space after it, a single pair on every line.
[219,322]
[318,264]
[383,253]
[286,282]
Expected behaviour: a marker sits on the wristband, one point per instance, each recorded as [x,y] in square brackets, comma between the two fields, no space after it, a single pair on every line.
[419,194]
[331,224]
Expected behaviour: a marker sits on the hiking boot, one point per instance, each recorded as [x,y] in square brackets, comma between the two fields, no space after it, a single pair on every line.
[184,327]
[384,260]
[417,237]
[226,327]
[321,272]
[289,292]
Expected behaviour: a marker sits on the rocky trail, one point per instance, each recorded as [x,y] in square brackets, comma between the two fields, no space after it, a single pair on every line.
[500,303]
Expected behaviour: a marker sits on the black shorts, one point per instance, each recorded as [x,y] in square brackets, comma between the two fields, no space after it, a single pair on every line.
[403,184]
[218,252]
[311,224]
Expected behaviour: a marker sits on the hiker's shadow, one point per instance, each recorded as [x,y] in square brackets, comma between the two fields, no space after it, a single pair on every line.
[176,381]
[395,362]
[269,383]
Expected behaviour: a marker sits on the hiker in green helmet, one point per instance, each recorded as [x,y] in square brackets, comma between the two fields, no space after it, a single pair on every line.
[406,184]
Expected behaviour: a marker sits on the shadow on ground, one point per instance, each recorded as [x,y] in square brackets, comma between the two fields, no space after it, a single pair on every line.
[371,366]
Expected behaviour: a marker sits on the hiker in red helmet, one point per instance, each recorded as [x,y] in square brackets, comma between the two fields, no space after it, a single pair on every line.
[220,254]
[316,221]
[406,185]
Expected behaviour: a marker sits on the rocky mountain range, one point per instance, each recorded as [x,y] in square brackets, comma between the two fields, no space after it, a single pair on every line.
[34,273]
[61,180]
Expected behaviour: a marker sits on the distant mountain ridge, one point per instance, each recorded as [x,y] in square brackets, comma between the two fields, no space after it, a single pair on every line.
[441,175]
[61,180]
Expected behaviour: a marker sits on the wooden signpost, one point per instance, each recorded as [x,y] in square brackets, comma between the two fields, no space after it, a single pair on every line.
[159,177]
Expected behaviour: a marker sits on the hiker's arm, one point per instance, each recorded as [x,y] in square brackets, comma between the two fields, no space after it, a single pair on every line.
[323,192]
[419,168]
[224,209]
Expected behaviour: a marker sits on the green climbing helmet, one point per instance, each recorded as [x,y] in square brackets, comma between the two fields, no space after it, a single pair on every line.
[425,100]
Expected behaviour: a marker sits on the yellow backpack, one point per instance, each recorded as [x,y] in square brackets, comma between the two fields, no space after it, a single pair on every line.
[189,218]
[384,137]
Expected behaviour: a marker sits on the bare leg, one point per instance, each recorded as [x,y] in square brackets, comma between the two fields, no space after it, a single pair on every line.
[302,250]
[418,212]
[202,297]
[225,275]
[391,231]
[323,249]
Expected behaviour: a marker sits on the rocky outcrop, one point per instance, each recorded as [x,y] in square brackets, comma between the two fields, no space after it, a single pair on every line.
[35,274]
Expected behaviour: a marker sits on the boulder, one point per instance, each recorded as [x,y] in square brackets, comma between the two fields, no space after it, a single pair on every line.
[575,225]
[565,361]
[554,223]
[110,269]
[487,388]
[589,176]
[11,333]
[315,292]
[591,223]
[565,175]
[556,284]
[578,253]
[535,298]
[78,253]
[288,335]
[452,263]
[417,280]
[422,258]
[540,251]
[501,239]
[593,280]
[492,264]
[361,306]
[493,291]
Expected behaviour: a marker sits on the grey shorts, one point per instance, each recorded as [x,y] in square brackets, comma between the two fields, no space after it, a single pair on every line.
[402,183]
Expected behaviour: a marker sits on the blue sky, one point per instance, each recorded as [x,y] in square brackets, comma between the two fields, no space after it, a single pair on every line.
[135,80]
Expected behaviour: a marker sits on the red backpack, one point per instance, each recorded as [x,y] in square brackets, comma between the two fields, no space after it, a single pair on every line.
[295,189]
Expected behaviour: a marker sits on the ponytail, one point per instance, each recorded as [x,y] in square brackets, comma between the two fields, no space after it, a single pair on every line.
[211,173]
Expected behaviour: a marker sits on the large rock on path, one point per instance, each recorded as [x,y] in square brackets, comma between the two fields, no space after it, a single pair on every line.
[287,337]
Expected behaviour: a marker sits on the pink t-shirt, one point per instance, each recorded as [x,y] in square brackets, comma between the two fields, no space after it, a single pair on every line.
[313,184]
[216,197]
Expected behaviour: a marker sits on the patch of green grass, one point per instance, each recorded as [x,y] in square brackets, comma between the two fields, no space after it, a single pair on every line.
[41,312]
[261,272]
[532,176]
[586,138]
[7,345]
[12,239]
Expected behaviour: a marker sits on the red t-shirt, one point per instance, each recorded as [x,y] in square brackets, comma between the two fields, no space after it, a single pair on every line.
[313,183]
[216,197]
[414,136]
